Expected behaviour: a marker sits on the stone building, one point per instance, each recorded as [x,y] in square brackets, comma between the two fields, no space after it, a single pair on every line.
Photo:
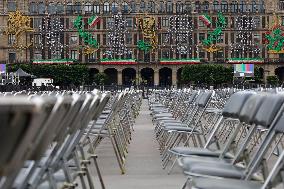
[162,64]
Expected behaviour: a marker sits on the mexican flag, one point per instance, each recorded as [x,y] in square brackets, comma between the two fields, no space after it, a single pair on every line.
[205,19]
[93,21]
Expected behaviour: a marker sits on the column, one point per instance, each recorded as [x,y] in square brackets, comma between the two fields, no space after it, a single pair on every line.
[119,77]
[174,77]
[156,77]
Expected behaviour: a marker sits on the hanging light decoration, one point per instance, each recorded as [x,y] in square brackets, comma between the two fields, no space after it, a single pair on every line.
[245,26]
[51,31]
[18,25]
[117,34]
[179,34]
[147,24]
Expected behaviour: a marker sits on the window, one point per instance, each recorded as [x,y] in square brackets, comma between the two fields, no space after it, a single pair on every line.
[74,54]
[125,8]
[114,8]
[201,24]
[224,6]
[162,7]
[11,5]
[151,7]
[33,8]
[88,7]
[97,9]
[129,39]
[41,8]
[133,6]
[201,37]
[257,21]
[164,38]
[169,7]
[234,6]
[165,54]
[77,8]
[216,6]
[37,22]
[37,55]
[129,22]
[109,22]
[12,57]
[92,57]
[179,7]
[69,8]
[11,39]
[281,4]
[56,55]
[205,6]
[106,7]
[73,39]
[165,22]
[37,39]
[254,6]
[60,8]
[142,6]
[51,9]
[197,6]
[242,6]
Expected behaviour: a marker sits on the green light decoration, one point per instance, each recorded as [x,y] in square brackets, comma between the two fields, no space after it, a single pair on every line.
[213,37]
[144,46]
[88,38]
[275,41]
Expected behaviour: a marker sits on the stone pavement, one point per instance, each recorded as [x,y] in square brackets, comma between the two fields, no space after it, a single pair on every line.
[143,164]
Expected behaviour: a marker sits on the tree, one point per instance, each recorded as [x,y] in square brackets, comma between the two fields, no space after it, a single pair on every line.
[272,80]
[100,78]
[207,74]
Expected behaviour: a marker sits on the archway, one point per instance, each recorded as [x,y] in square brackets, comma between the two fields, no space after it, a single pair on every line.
[179,80]
[112,76]
[92,73]
[128,76]
[147,74]
[165,76]
[280,74]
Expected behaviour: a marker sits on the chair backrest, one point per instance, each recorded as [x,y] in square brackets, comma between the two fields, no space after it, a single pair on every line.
[204,99]
[235,103]
[251,107]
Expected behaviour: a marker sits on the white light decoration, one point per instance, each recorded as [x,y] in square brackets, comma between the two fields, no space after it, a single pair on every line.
[51,31]
[179,34]
[117,37]
[245,25]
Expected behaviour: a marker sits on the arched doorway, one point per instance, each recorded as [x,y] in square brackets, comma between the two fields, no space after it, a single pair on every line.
[147,74]
[112,76]
[179,80]
[165,76]
[92,73]
[280,74]
[128,76]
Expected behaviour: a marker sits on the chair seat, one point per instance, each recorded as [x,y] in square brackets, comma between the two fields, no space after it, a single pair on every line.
[180,150]
[218,169]
[178,128]
[208,183]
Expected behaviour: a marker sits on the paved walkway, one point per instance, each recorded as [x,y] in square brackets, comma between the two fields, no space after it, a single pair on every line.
[143,167]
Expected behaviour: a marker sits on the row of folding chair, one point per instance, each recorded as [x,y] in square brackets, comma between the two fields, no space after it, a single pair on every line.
[116,123]
[243,142]
[45,136]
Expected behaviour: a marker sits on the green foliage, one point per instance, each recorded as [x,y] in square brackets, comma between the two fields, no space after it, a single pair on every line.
[62,74]
[207,74]
[272,80]
[101,78]
[257,75]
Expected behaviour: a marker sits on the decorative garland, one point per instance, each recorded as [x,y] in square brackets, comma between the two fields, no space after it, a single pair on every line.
[54,61]
[206,19]
[209,44]
[17,25]
[180,61]
[92,44]
[144,46]
[118,61]
[245,61]
[275,38]
[148,26]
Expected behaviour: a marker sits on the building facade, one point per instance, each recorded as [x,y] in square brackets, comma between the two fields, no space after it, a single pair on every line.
[180,32]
